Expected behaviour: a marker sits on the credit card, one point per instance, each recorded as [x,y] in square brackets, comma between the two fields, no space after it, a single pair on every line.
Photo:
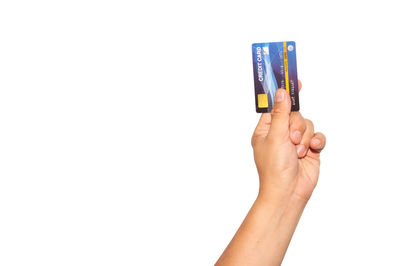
[274,67]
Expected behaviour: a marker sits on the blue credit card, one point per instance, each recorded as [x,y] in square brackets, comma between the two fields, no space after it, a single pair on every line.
[274,67]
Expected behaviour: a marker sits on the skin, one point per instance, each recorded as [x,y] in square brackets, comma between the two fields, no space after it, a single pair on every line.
[287,156]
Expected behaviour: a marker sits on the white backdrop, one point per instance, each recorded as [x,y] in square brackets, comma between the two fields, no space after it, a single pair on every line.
[125,129]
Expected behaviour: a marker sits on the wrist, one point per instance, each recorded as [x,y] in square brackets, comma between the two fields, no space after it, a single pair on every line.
[283,201]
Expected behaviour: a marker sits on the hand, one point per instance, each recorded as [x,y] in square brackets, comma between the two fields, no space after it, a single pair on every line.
[286,151]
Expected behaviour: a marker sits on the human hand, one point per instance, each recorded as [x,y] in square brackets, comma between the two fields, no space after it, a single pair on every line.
[286,151]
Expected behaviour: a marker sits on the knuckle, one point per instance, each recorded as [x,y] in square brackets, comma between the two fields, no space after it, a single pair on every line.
[276,110]
[300,124]
[255,141]
[310,124]
[323,139]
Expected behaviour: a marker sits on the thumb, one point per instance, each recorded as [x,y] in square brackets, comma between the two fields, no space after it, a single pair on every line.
[281,114]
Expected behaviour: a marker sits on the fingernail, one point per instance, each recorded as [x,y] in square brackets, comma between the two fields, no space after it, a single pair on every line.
[297,136]
[279,96]
[315,141]
[301,150]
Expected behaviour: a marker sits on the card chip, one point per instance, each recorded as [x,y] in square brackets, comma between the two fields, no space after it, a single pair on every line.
[262,100]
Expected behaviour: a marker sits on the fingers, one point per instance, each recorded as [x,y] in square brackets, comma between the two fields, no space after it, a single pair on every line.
[297,127]
[318,142]
[280,114]
[308,134]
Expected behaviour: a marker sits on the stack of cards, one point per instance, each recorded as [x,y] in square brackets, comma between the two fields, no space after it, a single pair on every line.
[274,67]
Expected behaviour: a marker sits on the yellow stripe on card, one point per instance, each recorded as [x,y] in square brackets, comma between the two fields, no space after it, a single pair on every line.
[262,100]
[286,66]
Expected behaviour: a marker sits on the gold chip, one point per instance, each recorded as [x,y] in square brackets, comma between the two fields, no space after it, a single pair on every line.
[262,100]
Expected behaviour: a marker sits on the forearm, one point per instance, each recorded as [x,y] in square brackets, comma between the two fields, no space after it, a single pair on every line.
[264,235]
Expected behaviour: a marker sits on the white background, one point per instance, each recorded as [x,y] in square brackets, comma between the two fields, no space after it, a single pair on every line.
[125,129]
